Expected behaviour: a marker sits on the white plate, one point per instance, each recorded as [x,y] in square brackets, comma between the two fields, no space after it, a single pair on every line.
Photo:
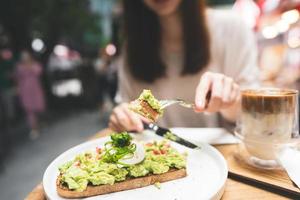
[206,135]
[207,173]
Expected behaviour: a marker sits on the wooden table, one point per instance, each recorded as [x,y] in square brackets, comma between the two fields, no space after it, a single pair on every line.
[234,190]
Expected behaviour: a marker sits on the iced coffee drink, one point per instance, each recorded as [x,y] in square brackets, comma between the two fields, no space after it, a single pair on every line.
[267,118]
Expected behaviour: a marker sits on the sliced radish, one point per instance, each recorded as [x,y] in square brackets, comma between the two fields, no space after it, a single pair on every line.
[138,156]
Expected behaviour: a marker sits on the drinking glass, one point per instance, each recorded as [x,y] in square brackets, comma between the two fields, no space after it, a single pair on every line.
[268,123]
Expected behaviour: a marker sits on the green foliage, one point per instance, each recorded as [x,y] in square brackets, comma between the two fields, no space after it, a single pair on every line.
[52,20]
[66,18]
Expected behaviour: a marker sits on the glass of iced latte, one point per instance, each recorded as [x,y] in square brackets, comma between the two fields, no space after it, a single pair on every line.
[268,122]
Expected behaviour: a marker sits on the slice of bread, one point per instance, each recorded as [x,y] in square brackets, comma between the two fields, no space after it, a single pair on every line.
[148,111]
[143,108]
[128,184]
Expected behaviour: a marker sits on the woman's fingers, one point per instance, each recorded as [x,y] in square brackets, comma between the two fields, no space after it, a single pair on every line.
[113,123]
[122,119]
[202,90]
[136,123]
[215,102]
[227,92]
[113,127]
[224,92]
[235,93]
[145,120]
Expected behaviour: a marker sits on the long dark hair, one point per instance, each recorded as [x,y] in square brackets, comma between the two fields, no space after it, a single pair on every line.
[143,39]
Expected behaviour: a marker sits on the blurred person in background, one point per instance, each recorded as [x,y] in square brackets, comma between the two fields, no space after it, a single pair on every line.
[106,68]
[101,66]
[6,83]
[181,49]
[28,72]
[112,77]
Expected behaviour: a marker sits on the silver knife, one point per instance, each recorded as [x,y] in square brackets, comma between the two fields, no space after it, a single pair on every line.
[167,133]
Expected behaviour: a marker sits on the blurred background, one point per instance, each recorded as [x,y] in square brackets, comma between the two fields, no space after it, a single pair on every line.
[73,47]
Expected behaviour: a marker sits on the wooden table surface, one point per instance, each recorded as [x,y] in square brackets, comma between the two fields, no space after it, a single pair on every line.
[234,190]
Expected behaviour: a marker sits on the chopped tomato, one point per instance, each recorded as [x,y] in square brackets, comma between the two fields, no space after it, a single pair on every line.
[77,163]
[149,144]
[156,152]
[98,150]
[163,151]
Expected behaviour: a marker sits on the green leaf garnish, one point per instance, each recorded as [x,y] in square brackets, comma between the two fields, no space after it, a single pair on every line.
[120,147]
[121,139]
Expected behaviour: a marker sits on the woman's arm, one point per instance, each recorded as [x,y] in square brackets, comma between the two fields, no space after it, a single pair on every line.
[239,70]
[241,62]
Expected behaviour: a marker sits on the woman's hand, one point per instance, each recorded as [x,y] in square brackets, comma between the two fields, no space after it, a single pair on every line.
[123,119]
[224,93]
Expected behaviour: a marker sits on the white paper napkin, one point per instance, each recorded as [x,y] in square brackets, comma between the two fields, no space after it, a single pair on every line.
[289,158]
[206,135]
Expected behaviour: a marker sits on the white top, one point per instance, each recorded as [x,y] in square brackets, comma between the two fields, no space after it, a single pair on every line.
[233,53]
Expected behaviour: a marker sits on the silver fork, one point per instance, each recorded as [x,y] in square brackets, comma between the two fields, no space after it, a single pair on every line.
[181,102]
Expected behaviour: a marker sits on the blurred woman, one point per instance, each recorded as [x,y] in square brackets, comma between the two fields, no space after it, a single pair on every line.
[181,49]
[30,91]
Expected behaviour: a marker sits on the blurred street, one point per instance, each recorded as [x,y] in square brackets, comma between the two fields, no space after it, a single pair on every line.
[25,166]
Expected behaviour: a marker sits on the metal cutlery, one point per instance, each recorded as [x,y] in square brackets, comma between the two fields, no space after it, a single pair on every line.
[166,133]
[181,102]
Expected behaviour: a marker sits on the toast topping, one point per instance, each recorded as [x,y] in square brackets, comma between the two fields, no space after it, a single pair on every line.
[104,167]
[147,105]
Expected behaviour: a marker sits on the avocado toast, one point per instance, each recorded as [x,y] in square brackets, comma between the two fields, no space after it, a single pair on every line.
[147,105]
[106,169]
